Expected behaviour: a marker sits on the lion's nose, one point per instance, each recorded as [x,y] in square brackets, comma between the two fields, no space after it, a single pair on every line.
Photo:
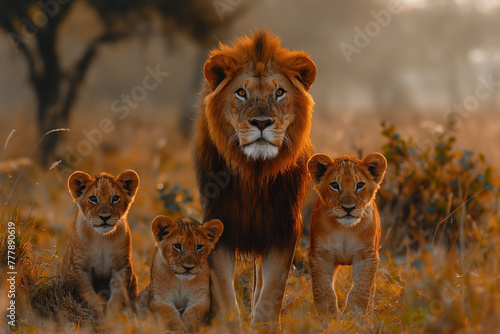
[104,217]
[188,267]
[261,124]
[348,208]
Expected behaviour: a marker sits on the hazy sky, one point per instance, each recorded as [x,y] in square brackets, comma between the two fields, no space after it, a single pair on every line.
[370,55]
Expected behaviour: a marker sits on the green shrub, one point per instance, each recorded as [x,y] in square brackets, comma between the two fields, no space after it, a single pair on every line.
[433,192]
[174,198]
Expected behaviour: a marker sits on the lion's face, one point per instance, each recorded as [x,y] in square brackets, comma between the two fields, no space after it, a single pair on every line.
[103,199]
[347,185]
[259,103]
[260,112]
[185,244]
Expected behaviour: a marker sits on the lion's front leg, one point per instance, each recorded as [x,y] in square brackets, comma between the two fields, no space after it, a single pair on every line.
[363,272]
[123,287]
[323,272]
[257,283]
[275,268]
[167,314]
[81,280]
[223,298]
[194,315]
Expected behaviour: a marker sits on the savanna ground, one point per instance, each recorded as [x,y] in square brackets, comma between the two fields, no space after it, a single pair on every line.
[439,270]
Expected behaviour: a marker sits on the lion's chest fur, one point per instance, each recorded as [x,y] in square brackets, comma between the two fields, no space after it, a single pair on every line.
[100,255]
[256,215]
[345,244]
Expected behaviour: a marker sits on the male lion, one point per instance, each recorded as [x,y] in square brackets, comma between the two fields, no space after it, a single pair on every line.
[251,146]
[345,228]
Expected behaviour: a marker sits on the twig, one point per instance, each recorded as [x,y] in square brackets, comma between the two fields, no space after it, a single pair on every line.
[385,276]
[467,201]
[7,141]
[29,156]
[54,165]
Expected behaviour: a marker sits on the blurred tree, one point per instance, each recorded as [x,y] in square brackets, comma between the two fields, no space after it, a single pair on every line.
[201,21]
[34,26]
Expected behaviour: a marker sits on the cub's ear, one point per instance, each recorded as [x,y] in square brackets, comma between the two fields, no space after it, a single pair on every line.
[376,164]
[317,166]
[213,230]
[129,180]
[77,182]
[218,68]
[162,226]
[305,69]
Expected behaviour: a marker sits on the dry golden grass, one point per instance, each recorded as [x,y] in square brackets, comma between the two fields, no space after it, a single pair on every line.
[430,289]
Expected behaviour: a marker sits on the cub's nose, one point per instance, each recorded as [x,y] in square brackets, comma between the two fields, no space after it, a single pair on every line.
[348,208]
[261,124]
[104,217]
[188,267]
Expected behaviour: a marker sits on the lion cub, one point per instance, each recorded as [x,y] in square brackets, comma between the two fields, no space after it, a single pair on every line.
[345,228]
[179,290]
[98,263]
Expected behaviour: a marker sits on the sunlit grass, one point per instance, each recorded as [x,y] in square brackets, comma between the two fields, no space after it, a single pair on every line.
[429,288]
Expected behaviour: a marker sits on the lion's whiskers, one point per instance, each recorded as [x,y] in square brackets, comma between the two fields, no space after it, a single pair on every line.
[287,142]
[233,139]
[331,213]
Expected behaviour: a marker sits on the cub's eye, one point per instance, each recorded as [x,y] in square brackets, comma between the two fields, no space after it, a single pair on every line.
[335,186]
[360,186]
[93,199]
[240,93]
[115,199]
[199,247]
[280,93]
[178,247]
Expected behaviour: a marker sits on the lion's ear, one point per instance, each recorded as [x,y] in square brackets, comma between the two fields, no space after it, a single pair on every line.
[317,166]
[213,229]
[77,182]
[162,226]
[305,69]
[216,69]
[129,181]
[376,164]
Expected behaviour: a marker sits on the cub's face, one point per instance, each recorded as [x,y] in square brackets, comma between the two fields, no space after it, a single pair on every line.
[347,185]
[103,199]
[184,244]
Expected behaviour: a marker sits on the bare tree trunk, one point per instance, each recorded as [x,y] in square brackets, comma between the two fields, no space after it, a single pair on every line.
[55,89]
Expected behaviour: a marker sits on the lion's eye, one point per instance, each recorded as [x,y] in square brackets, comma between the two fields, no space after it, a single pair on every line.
[93,199]
[360,186]
[178,247]
[280,93]
[241,93]
[115,199]
[199,247]
[335,186]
